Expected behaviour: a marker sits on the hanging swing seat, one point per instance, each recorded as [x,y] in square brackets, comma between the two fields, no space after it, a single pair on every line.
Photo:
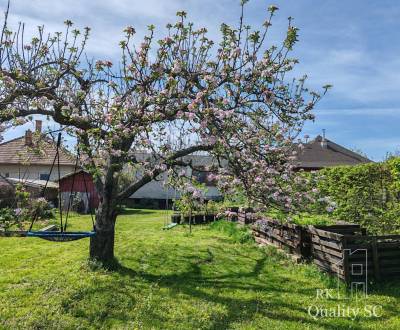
[15,233]
[57,236]
[170,226]
[52,232]
[24,233]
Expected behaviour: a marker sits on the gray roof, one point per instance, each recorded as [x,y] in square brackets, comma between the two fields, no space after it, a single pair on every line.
[317,154]
[195,159]
[34,183]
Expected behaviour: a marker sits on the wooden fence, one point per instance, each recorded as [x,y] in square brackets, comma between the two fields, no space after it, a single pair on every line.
[290,237]
[196,218]
[344,250]
[352,255]
[246,216]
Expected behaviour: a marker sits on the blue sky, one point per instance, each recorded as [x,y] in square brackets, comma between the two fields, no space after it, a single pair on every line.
[353,45]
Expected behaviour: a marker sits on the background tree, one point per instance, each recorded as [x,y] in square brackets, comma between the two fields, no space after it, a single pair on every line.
[164,100]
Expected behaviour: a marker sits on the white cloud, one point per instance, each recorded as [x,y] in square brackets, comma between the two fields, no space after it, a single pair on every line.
[392,112]
[108,18]
[336,46]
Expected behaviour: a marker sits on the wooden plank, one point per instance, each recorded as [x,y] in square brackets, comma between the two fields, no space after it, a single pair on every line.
[390,270]
[354,247]
[327,250]
[346,231]
[386,262]
[328,257]
[388,245]
[283,241]
[283,233]
[324,233]
[286,244]
[367,245]
[359,257]
[293,254]
[280,235]
[368,264]
[333,245]
[275,223]
[345,223]
[338,226]
[394,238]
[330,267]
[389,253]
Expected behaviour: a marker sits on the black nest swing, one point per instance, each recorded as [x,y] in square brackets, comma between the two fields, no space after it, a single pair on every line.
[62,235]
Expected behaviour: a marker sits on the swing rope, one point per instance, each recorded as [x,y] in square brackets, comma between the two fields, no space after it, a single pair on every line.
[70,199]
[89,202]
[59,178]
[43,193]
[63,235]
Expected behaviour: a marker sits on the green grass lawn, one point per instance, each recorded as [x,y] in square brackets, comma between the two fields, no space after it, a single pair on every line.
[213,279]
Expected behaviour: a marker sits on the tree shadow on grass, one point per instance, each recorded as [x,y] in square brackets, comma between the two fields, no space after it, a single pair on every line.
[193,284]
[116,298]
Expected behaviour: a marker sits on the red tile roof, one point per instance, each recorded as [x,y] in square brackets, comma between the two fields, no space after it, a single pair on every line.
[17,152]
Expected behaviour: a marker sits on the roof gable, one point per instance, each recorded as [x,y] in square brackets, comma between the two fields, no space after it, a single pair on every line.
[315,155]
[17,152]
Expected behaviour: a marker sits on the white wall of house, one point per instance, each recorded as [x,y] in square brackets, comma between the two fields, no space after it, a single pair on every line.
[158,190]
[33,172]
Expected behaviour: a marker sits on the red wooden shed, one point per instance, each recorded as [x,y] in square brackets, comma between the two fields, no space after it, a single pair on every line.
[79,182]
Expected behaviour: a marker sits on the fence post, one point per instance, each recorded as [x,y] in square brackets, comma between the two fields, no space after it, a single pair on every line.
[346,267]
[375,259]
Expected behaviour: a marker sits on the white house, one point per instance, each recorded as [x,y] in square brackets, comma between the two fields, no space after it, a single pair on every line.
[159,190]
[19,159]
[155,193]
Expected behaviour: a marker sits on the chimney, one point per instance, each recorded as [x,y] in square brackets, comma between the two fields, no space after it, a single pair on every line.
[324,143]
[38,126]
[28,137]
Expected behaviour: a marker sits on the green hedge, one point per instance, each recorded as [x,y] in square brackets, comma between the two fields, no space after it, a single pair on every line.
[367,194]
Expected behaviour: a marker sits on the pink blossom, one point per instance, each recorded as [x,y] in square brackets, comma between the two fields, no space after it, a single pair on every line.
[108,118]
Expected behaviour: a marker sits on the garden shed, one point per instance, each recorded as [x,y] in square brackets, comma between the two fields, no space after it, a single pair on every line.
[83,189]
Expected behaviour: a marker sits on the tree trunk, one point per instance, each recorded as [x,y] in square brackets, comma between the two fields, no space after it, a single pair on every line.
[102,244]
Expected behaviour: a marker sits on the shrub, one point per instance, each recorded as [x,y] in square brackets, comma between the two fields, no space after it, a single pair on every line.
[40,208]
[8,218]
[7,195]
[367,194]
[238,234]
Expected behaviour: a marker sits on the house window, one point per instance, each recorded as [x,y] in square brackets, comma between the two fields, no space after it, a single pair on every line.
[202,177]
[44,176]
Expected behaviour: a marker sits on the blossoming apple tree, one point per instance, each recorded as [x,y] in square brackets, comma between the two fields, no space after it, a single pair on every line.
[164,100]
